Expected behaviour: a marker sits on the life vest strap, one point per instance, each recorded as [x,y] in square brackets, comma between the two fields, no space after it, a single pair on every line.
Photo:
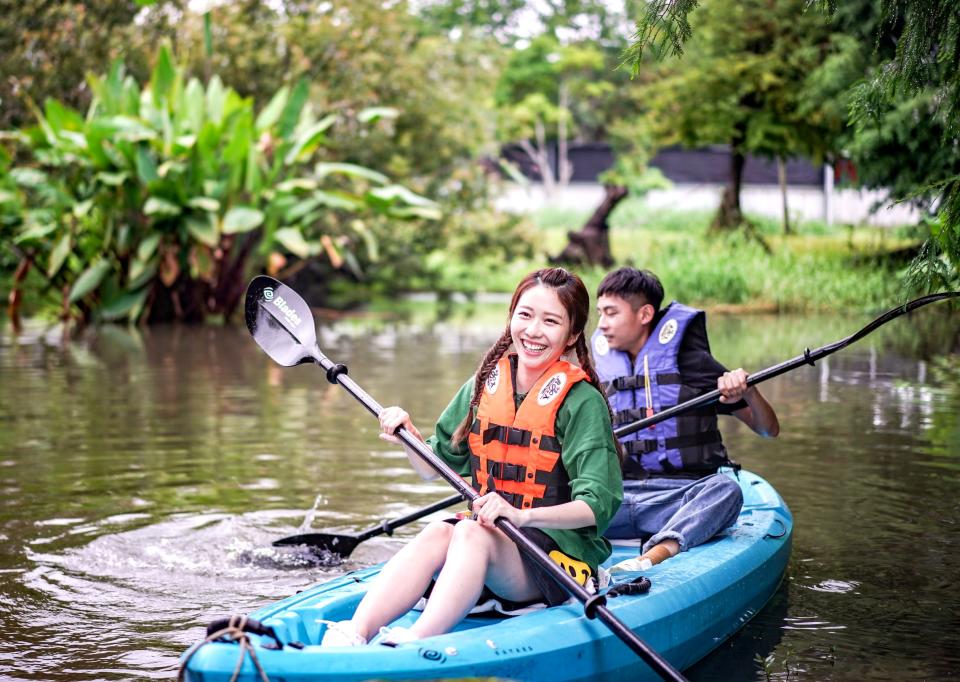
[637,381]
[642,447]
[636,414]
[512,436]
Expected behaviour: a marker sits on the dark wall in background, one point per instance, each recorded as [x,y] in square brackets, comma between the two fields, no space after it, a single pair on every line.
[708,165]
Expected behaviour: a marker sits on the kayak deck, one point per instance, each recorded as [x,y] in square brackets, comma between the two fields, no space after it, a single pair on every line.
[698,599]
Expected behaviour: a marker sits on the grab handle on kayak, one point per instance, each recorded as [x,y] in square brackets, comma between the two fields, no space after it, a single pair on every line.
[233,624]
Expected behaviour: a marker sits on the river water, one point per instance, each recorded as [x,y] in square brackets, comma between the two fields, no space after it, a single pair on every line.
[144,474]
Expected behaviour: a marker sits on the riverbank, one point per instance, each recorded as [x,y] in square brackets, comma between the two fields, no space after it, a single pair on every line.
[815,268]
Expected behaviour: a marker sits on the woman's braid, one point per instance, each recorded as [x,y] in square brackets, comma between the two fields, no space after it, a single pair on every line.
[586,364]
[489,361]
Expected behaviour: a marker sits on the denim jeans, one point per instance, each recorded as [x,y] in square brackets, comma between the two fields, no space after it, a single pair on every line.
[690,512]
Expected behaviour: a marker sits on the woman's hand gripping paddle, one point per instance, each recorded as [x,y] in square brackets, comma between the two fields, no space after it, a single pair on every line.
[282,325]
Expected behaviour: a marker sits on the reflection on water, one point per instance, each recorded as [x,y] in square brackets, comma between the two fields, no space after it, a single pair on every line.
[144,474]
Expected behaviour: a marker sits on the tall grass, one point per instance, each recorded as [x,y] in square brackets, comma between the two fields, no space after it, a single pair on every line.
[818,267]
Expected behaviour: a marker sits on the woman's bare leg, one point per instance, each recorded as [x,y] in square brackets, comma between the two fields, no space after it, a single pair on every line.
[403,579]
[475,556]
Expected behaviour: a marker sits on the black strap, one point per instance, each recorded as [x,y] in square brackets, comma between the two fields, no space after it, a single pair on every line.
[638,381]
[688,440]
[639,585]
[512,436]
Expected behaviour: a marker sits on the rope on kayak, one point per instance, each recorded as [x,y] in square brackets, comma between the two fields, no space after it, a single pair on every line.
[233,629]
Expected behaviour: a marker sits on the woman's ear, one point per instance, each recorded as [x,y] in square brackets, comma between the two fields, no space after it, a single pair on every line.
[572,342]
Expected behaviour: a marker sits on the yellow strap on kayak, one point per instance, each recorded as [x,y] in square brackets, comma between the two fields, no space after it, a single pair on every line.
[576,569]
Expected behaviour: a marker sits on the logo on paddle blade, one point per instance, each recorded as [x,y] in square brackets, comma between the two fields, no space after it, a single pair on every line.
[287,311]
[668,331]
[552,388]
[268,294]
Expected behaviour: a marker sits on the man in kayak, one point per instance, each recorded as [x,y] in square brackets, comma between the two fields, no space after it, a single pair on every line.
[651,359]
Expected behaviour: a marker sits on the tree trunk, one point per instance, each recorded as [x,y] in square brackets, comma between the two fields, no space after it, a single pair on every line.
[591,245]
[782,177]
[729,216]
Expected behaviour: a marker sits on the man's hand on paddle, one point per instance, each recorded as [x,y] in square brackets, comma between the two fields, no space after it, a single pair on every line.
[732,386]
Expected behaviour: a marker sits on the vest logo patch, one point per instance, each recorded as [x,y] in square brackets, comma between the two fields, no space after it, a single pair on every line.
[493,380]
[551,389]
[600,345]
[668,331]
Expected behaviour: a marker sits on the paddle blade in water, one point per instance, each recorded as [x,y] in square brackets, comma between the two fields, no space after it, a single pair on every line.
[280,322]
[342,545]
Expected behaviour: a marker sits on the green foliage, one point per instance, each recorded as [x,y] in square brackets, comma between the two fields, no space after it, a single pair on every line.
[910,50]
[748,68]
[156,200]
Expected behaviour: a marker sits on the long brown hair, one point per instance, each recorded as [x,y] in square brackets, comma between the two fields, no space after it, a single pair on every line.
[575,299]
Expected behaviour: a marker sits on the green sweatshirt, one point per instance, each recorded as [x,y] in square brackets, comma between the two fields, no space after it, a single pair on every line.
[588,454]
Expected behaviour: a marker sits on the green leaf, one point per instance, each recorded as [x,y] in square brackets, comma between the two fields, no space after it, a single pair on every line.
[338,200]
[297,183]
[241,219]
[300,209]
[324,169]
[271,113]
[89,280]
[208,204]
[292,240]
[62,117]
[309,139]
[58,255]
[148,246]
[163,77]
[216,96]
[28,177]
[371,114]
[393,193]
[156,206]
[194,105]
[123,305]
[291,112]
[82,208]
[36,231]
[429,213]
[112,179]
[141,272]
[204,231]
[146,166]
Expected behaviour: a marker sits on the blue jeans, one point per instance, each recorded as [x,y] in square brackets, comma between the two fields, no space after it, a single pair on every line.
[690,512]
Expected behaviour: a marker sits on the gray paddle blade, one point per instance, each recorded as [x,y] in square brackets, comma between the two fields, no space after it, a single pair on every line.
[280,322]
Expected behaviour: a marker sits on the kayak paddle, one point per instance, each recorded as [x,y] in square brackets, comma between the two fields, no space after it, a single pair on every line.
[282,325]
[808,358]
[343,544]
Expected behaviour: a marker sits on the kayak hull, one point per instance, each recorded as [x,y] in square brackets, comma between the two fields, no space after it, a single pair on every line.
[698,599]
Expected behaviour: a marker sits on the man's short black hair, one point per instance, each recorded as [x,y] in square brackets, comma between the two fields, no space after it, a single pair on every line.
[631,284]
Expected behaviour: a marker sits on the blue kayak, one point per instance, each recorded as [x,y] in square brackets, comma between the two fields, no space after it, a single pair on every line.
[697,600]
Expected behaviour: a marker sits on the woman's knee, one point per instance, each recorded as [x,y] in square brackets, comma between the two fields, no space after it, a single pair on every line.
[468,535]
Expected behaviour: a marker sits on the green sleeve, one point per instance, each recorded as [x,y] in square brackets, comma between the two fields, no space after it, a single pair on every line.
[458,457]
[589,454]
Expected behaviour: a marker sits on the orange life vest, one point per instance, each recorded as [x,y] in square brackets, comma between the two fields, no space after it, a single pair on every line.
[515,451]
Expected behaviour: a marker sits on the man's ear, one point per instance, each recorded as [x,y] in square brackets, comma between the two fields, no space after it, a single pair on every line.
[647,313]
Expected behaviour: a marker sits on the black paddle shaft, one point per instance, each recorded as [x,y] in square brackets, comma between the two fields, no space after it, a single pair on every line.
[807,358]
[276,317]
